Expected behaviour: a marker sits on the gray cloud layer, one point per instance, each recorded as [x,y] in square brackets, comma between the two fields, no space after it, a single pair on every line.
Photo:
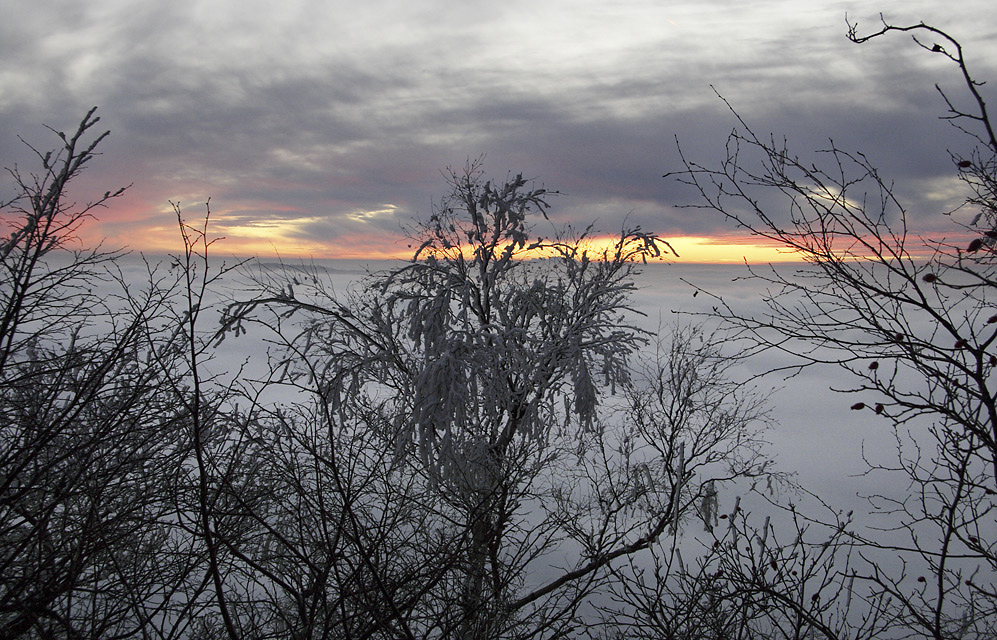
[341,115]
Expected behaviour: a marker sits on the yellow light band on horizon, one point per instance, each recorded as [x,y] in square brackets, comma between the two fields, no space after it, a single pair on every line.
[701,249]
[690,249]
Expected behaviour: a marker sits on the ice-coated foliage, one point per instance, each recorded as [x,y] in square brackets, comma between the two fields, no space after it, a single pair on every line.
[491,334]
[482,366]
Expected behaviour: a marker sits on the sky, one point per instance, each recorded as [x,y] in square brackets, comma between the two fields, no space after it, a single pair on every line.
[321,128]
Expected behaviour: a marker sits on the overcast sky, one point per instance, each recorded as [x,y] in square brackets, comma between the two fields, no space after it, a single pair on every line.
[320,127]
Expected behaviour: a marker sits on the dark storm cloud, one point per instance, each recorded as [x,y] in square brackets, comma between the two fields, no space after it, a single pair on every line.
[336,120]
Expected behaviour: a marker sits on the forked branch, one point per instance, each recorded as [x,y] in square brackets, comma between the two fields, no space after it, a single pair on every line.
[952,50]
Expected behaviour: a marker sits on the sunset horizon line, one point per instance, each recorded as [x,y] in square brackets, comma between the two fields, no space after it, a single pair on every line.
[692,250]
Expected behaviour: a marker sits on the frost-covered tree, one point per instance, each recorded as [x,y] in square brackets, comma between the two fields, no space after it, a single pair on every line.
[459,419]
[481,363]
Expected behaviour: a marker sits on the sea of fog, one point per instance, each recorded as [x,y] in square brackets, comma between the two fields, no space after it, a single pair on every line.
[813,432]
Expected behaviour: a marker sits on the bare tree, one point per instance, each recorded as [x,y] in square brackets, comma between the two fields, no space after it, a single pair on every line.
[694,435]
[90,448]
[911,320]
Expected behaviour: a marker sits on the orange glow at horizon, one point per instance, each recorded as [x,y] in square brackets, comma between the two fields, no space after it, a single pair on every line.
[290,238]
[293,236]
[729,250]
[690,249]
[262,244]
[267,240]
